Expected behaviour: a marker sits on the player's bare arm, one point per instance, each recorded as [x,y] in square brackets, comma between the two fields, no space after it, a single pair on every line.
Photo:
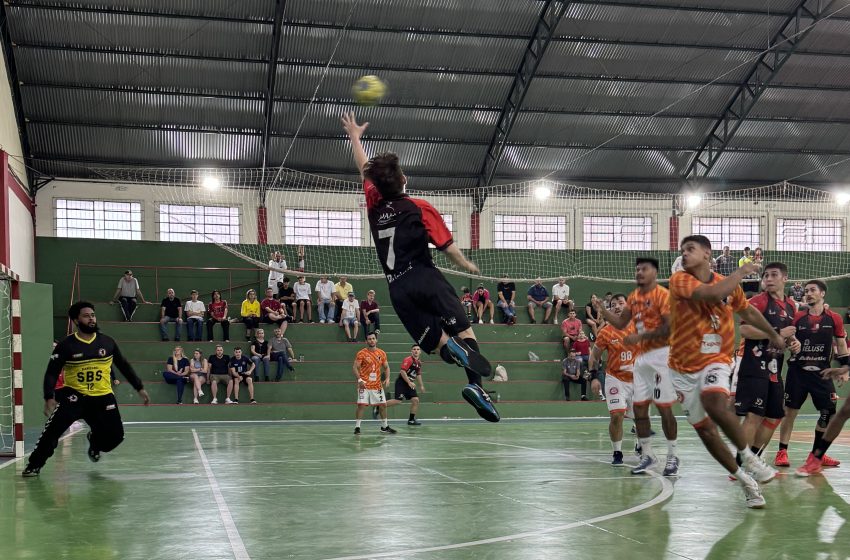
[595,356]
[716,293]
[356,369]
[662,332]
[386,371]
[619,322]
[406,379]
[456,256]
[840,374]
[355,131]
[754,318]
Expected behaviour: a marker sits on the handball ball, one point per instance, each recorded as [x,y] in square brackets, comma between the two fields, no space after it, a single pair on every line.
[369,90]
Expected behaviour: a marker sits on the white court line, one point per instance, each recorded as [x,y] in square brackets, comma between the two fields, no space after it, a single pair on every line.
[664,495]
[233,536]
[426,483]
[13,460]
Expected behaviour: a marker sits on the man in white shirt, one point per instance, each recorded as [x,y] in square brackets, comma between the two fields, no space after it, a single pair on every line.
[324,300]
[303,306]
[350,313]
[195,310]
[561,297]
[276,267]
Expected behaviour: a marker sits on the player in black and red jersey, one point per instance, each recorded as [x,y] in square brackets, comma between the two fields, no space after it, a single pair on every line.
[405,385]
[425,302]
[817,330]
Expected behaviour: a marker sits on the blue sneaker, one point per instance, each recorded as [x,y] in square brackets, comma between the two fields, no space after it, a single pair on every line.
[480,400]
[466,357]
[617,460]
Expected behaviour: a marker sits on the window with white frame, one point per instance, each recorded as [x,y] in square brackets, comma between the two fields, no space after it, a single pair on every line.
[529,232]
[809,234]
[199,224]
[448,219]
[617,233]
[97,219]
[322,227]
[737,233]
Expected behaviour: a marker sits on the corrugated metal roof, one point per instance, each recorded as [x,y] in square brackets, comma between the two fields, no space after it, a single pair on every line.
[812,167]
[810,70]
[243,9]
[810,103]
[778,135]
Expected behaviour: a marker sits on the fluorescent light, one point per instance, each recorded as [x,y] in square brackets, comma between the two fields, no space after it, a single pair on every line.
[542,192]
[842,198]
[211,183]
[692,201]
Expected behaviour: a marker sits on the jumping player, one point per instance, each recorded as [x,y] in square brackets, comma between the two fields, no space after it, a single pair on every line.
[424,300]
[405,385]
[702,338]
[648,309]
[619,388]
[87,357]
[817,330]
[369,364]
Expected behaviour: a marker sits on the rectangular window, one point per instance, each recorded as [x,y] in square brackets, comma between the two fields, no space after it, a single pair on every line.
[322,227]
[98,219]
[737,233]
[618,233]
[529,232]
[448,219]
[199,224]
[808,234]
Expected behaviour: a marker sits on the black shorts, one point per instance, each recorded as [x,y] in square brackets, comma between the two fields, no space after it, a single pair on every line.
[427,305]
[403,390]
[800,384]
[760,395]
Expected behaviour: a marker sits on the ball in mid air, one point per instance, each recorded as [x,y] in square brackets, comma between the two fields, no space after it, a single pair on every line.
[369,90]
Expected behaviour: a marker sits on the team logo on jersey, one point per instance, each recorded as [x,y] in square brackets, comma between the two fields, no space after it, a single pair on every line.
[757,351]
[101,352]
[615,341]
[75,356]
[771,312]
[680,396]
[710,379]
[715,321]
[759,402]
[72,398]
[55,357]
[815,327]
[613,391]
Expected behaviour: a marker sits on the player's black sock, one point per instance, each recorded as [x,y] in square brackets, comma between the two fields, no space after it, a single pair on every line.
[738,459]
[818,441]
[446,355]
[783,446]
[471,375]
[411,418]
[756,450]
[820,451]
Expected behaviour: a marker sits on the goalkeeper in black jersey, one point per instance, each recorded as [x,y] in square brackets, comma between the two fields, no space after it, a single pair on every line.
[87,357]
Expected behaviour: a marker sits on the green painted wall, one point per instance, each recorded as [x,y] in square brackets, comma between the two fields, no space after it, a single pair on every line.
[36,323]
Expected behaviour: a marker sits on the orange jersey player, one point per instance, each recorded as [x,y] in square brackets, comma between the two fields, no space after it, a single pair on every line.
[369,364]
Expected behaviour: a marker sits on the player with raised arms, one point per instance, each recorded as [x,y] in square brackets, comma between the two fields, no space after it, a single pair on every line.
[425,302]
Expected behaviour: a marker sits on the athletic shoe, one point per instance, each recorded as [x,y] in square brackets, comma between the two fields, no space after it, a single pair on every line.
[532,321]
[480,400]
[584,397]
[356,431]
[752,493]
[30,472]
[491,321]
[480,321]
[781,459]
[466,357]
[617,461]
[414,423]
[554,321]
[760,470]
[812,466]
[377,331]
[94,456]
[253,401]
[672,466]
[200,393]
[214,401]
[195,401]
[388,430]
[228,401]
[375,412]
[235,401]
[827,461]
[646,463]
[321,321]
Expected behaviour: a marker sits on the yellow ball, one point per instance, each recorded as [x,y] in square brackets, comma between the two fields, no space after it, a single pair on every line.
[369,90]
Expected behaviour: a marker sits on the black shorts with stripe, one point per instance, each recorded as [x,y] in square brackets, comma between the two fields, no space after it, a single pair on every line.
[403,392]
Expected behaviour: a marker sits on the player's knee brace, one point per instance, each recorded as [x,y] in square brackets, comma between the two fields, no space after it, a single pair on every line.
[771,423]
[825,415]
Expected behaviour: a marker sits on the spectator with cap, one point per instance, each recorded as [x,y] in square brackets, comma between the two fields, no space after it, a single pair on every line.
[482,301]
[126,293]
[506,290]
[350,314]
[195,311]
[538,297]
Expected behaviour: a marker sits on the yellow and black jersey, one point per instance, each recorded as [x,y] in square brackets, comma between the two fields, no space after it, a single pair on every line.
[88,366]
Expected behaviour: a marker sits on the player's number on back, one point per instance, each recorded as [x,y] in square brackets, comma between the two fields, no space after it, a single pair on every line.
[383,234]
[626,356]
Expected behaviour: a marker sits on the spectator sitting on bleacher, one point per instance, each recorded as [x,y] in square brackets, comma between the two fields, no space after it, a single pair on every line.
[592,317]
[302,263]
[570,328]
[286,296]
[125,294]
[177,372]
[170,311]
[581,345]
[607,301]
[370,315]
[796,292]
[218,314]
[218,370]
[195,311]
[277,265]
[561,298]
[571,372]
[250,313]
[325,304]
[506,291]
[466,302]
[261,355]
[302,300]
[538,297]
[483,302]
[350,314]
[241,370]
[341,291]
[272,311]
[282,353]
[198,374]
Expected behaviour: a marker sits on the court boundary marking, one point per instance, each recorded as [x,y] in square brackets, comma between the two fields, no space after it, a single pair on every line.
[236,544]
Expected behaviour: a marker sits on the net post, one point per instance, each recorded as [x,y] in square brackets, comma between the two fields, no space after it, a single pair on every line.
[17,385]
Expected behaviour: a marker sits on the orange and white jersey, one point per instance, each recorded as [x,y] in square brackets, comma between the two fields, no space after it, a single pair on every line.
[621,358]
[701,333]
[647,312]
[371,361]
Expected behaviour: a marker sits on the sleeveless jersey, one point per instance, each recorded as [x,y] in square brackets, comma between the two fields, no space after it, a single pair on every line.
[816,334]
[756,359]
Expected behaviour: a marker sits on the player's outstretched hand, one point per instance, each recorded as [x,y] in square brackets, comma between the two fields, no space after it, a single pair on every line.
[472,268]
[749,268]
[49,406]
[146,399]
[837,373]
[349,123]
[795,346]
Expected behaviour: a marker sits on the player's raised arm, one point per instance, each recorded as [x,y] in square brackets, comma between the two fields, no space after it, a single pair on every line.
[620,321]
[595,356]
[355,131]
[456,256]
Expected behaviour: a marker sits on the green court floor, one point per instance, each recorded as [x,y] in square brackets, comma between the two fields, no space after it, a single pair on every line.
[445,490]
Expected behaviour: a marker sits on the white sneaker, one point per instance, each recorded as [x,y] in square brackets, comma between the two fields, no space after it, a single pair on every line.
[228,401]
[491,321]
[554,321]
[195,401]
[480,321]
[321,321]
[760,470]
[752,492]
[214,401]
[200,393]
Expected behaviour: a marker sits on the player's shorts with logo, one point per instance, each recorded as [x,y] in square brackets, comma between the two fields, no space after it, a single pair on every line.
[403,390]
[689,387]
[652,378]
[619,395]
[801,383]
[759,390]
[371,397]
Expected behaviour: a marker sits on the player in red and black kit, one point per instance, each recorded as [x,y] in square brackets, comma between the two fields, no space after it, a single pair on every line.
[425,302]
[817,330]
[405,385]
[760,393]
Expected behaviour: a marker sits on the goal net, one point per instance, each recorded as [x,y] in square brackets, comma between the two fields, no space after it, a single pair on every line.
[523,230]
[7,402]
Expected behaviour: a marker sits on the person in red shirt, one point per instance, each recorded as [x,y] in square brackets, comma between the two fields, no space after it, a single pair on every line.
[273,311]
[570,326]
[218,314]
[582,347]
